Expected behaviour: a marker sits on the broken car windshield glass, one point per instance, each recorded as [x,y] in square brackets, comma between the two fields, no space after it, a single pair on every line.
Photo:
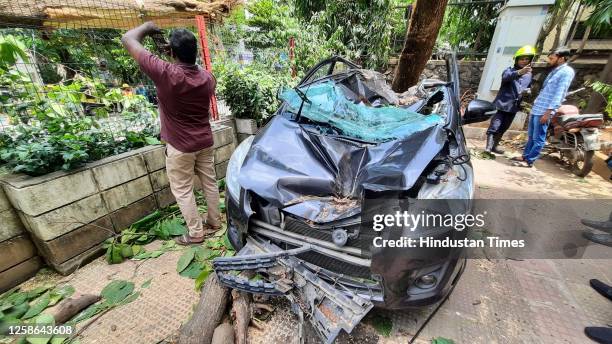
[360,118]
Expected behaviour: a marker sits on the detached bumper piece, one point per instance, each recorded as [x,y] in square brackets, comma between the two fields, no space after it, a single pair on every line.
[329,309]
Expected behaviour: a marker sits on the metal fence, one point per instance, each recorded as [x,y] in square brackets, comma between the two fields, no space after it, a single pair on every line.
[69,53]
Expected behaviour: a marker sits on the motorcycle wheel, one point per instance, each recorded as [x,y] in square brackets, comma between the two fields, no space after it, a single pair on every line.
[582,167]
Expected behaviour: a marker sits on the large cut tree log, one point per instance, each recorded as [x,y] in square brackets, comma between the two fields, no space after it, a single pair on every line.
[207,315]
[118,14]
[425,22]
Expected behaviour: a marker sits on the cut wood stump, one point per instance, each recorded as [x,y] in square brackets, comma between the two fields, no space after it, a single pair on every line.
[208,313]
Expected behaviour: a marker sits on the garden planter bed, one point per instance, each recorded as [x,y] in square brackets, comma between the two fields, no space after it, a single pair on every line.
[70,214]
[18,260]
[246,126]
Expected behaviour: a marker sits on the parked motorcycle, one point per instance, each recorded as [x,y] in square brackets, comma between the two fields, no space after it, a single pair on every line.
[575,137]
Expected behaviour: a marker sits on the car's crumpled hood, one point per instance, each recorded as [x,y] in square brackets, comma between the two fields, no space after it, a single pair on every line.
[292,167]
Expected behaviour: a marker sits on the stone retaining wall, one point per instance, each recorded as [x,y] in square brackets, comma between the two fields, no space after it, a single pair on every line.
[18,257]
[70,214]
[470,73]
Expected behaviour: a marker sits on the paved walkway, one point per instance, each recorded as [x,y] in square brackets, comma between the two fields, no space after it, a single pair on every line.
[499,301]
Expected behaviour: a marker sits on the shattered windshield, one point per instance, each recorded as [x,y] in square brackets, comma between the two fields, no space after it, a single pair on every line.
[360,106]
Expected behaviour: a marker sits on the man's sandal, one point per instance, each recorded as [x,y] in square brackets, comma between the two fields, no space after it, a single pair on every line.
[187,240]
[522,164]
[517,158]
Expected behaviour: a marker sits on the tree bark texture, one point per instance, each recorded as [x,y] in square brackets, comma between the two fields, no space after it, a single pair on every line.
[208,313]
[68,308]
[425,23]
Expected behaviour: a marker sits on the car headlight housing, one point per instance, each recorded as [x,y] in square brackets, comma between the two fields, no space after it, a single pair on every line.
[458,183]
[234,165]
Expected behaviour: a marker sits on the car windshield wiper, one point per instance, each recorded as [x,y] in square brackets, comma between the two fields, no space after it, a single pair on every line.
[304,98]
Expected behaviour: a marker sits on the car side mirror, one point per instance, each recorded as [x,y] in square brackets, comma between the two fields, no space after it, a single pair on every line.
[478,110]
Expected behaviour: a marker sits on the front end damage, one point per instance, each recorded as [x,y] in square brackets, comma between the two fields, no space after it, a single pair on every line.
[330,302]
[297,193]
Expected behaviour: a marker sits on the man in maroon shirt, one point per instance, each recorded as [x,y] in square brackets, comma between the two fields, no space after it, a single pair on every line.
[184,91]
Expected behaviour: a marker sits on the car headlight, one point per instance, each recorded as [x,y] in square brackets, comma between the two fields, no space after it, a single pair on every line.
[458,183]
[234,165]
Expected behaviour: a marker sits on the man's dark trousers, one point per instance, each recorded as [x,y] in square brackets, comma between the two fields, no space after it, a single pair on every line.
[500,122]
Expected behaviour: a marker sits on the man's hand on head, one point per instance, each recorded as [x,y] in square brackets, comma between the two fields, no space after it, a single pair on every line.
[151,28]
[132,40]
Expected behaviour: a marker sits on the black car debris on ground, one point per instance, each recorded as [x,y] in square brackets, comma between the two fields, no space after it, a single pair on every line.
[298,192]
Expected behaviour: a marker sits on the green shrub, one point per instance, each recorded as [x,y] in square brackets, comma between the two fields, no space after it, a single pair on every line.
[251,93]
[55,134]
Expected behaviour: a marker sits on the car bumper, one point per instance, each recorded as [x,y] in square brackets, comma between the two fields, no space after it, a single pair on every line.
[395,276]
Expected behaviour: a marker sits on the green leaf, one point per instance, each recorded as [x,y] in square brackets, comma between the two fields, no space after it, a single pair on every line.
[136,249]
[185,260]
[43,319]
[39,305]
[6,322]
[157,253]
[117,291]
[227,243]
[17,311]
[146,284]
[148,220]
[174,227]
[18,298]
[88,313]
[113,254]
[126,251]
[57,340]
[152,140]
[203,253]
[442,340]
[60,293]
[9,294]
[217,244]
[37,291]
[202,277]
[193,270]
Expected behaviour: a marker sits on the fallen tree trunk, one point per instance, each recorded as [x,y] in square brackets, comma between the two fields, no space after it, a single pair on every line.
[241,315]
[70,307]
[208,313]
[118,14]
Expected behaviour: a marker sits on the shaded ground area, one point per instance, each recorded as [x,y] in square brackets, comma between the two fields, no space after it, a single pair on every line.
[497,301]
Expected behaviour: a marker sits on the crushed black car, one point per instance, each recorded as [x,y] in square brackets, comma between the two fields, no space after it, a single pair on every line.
[296,193]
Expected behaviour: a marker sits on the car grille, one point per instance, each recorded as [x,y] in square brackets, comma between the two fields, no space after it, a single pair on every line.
[324,233]
[363,241]
[335,265]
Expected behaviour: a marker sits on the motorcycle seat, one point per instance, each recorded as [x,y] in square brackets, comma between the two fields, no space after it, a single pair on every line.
[577,120]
